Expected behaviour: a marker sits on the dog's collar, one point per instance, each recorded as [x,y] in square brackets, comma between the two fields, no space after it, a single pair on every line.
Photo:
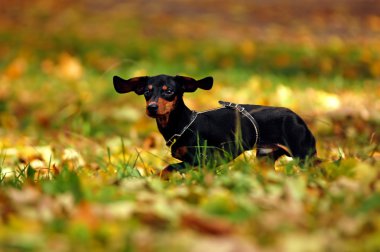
[173,139]
[242,110]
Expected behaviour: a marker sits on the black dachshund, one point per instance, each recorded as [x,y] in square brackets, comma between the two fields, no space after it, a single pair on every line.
[218,134]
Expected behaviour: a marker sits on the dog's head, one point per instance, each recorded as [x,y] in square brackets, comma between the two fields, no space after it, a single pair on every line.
[161,92]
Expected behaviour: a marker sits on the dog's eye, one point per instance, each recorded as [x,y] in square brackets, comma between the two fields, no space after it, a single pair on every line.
[169,91]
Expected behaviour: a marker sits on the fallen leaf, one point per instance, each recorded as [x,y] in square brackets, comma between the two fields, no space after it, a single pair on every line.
[207,224]
[69,67]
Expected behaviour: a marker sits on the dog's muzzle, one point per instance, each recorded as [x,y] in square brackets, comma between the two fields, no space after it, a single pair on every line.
[152,109]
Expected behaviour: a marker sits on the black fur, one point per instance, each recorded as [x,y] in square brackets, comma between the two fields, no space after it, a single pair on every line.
[220,134]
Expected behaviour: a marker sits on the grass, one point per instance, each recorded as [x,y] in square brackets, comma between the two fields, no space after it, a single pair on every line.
[113,207]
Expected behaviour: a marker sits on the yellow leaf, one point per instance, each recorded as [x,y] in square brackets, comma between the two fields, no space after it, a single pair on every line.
[69,67]
[72,158]
[16,68]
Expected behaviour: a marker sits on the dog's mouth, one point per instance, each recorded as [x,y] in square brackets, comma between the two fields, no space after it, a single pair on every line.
[152,115]
[155,115]
[162,119]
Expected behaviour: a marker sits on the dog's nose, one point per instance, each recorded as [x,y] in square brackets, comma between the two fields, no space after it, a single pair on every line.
[152,108]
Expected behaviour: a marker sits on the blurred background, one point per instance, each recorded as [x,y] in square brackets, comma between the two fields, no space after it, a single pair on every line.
[57,59]
[289,37]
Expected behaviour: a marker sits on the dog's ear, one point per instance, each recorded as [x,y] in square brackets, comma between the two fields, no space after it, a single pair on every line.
[136,84]
[190,85]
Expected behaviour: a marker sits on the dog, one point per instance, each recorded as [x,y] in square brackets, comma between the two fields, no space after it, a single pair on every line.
[219,134]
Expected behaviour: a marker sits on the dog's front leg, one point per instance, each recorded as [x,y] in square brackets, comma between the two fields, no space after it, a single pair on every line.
[183,153]
[212,158]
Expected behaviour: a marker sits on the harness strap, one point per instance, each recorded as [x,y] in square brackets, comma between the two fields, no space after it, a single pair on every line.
[175,137]
[245,113]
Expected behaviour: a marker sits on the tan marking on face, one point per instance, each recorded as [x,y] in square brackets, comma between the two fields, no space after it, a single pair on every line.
[165,107]
[164,87]
[150,87]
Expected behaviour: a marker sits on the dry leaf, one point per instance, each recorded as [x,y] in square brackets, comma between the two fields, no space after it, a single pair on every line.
[207,225]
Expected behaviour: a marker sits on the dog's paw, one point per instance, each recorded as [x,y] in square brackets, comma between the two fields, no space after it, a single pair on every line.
[166,172]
